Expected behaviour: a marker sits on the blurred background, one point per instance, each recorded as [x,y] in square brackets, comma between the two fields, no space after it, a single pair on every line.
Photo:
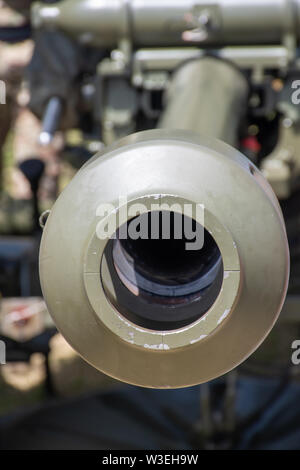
[49,397]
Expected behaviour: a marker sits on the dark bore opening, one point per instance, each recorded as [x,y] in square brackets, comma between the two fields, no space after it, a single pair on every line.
[166,270]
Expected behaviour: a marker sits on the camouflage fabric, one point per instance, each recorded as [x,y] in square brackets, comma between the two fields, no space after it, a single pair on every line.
[13,60]
[21,6]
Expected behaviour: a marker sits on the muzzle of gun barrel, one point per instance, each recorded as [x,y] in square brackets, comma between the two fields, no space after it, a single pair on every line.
[165,261]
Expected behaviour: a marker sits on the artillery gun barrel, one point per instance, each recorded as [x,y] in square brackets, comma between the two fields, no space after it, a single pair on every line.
[173,22]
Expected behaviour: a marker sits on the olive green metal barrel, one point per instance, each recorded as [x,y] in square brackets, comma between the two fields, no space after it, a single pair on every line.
[150,312]
[209,97]
[173,22]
